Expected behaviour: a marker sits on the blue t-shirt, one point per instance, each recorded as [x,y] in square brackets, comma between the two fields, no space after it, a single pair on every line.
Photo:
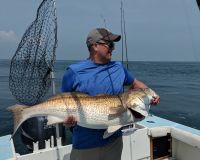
[91,78]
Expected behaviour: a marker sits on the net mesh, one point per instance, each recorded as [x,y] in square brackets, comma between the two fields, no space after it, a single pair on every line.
[32,63]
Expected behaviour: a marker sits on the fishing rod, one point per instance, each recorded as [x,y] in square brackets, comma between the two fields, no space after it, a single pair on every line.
[130,128]
[123,33]
[53,71]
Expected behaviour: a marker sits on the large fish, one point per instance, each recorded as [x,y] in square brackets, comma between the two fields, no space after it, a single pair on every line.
[109,112]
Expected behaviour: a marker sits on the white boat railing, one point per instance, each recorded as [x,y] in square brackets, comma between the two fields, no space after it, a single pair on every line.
[183,143]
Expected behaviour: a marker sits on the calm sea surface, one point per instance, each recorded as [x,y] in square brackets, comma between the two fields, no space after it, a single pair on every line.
[177,83]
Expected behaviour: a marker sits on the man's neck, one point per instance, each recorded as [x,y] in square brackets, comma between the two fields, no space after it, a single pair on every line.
[98,60]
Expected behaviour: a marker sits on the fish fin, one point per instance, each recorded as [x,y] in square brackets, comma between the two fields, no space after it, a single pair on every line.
[68,95]
[54,120]
[111,130]
[17,111]
[101,94]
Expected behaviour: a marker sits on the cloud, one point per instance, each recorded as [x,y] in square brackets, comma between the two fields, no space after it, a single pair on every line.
[8,36]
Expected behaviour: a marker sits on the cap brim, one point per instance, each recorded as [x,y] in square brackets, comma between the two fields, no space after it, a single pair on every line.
[113,37]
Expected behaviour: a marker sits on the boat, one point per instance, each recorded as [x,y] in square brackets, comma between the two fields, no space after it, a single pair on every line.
[149,139]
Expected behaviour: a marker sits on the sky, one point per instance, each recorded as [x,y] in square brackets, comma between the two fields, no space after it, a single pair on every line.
[156,30]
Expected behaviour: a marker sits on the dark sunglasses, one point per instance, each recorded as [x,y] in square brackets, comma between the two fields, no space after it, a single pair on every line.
[110,44]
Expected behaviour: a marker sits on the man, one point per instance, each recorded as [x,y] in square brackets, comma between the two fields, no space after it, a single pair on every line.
[98,75]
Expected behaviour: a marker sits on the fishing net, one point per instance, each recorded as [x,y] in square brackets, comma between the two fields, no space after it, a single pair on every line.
[32,63]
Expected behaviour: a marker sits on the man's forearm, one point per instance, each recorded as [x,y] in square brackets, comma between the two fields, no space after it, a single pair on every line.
[138,84]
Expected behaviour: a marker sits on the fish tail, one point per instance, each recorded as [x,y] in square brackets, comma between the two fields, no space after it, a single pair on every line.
[17,111]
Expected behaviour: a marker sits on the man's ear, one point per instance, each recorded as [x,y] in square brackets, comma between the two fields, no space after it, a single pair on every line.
[94,47]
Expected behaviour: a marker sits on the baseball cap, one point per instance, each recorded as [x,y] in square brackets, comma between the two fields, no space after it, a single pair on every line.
[100,34]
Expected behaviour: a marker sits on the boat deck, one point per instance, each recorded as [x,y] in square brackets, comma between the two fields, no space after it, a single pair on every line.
[154,121]
[6,147]
[152,138]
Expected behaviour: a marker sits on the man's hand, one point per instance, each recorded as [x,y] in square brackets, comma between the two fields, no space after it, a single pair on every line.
[155,100]
[70,121]
[138,84]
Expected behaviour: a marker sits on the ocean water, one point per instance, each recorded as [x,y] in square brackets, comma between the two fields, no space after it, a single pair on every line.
[177,83]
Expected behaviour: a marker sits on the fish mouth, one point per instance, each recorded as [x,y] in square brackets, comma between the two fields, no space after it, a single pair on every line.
[136,114]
